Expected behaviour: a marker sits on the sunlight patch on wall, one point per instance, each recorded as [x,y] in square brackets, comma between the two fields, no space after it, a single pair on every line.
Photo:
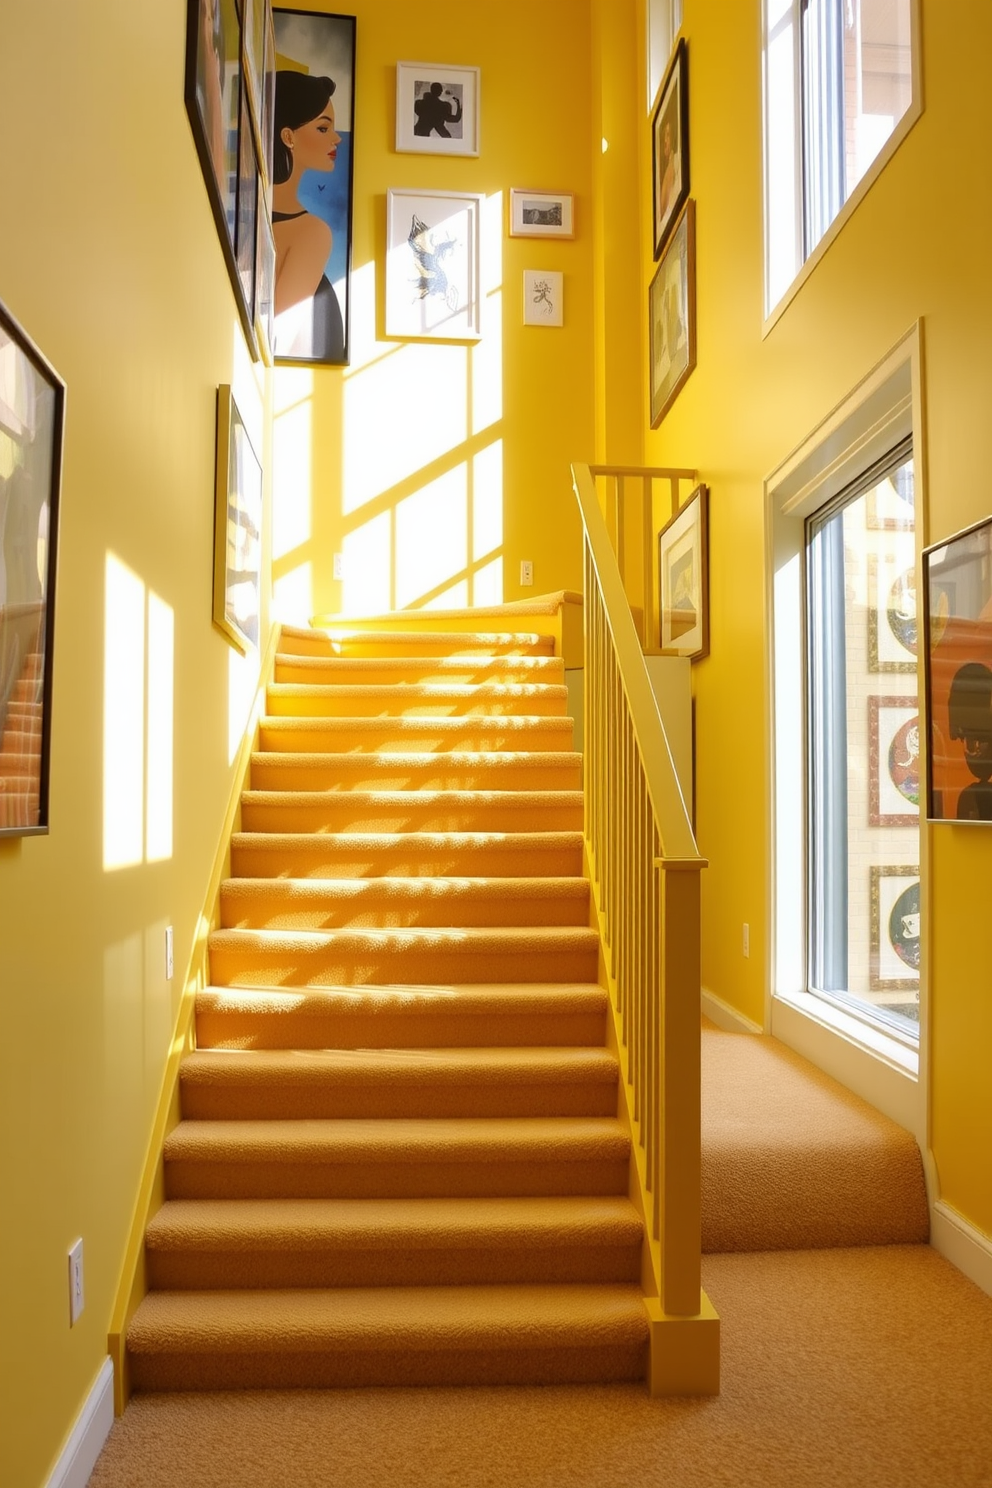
[487,369]
[400,416]
[292,596]
[161,648]
[487,584]
[242,684]
[364,348]
[368,564]
[455,598]
[123,716]
[292,460]
[431,536]
[487,501]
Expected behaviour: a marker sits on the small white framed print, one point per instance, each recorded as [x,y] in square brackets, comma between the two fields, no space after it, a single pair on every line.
[437,109]
[433,265]
[543,297]
[541,214]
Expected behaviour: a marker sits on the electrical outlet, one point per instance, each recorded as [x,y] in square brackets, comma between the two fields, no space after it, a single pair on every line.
[169,962]
[746,940]
[526,572]
[77,1299]
[339,565]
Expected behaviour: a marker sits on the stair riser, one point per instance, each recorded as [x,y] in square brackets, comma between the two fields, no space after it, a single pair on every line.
[341,702]
[430,772]
[231,967]
[259,1101]
[537,736]
[291,1267]
[326,1179]
[264,907]
[441,672]
[381,1031]
[336,814]
[351,1369]
[337,859]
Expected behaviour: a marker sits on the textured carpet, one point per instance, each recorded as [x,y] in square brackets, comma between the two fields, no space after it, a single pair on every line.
[841,1369]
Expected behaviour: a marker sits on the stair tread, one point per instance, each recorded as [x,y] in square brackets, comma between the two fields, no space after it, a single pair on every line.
[358,799]
[483,997]
[470,939]
[468,1140]
[384,1224]
[389,841]
[348,1068]
[388,1318]
[505,759]
[405,690]
[453,887]
[464,723]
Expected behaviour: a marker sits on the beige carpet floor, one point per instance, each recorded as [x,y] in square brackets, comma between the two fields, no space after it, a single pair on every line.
[867,1368]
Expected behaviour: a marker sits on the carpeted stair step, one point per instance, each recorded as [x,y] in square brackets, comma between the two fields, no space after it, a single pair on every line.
[384,903]
[360,1084]
[298,642]
[416,700]
[411,811]
[223,1244]
[382,670]
[406,855]
[417,956]
[388,1336]
[414,735]
[443,1158]
[404,1017]
[448,770]
[23,765]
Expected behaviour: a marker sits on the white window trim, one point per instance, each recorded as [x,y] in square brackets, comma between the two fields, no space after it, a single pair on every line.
[871,175]
[878,1065]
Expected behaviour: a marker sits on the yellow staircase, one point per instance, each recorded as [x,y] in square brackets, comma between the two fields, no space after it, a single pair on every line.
[399,1159]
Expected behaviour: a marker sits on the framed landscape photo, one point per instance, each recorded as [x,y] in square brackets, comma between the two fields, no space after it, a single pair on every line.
[312,185]
[437,109]
[683,579]
[957,624]
[32,415]
[672,314]
[893,761]
[541,214]
[543,297]
[237,528]
[433,265]
[670,147]
[894,948]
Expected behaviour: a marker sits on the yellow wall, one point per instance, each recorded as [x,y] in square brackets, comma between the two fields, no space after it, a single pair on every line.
[391,443]
[914,248]
[109,259]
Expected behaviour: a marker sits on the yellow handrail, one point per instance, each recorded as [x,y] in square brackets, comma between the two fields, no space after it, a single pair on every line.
[644,864]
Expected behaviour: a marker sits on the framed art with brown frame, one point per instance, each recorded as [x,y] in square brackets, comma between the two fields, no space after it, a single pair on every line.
[683,560]
[237,528]
[957,624]
[670,147]
[894,948]
[32,416]
[893,761]
[672,315]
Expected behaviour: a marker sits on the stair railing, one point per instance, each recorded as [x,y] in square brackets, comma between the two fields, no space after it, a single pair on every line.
[630,506]
[644,868]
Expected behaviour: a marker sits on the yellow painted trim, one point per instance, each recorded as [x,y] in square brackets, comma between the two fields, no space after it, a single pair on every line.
[685,1351]
[133,1284]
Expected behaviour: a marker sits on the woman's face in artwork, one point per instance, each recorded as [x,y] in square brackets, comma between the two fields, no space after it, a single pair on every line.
[314,144]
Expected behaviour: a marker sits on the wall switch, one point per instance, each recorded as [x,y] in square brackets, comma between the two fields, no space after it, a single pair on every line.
[169,963]
[526,572]
[339,565]
[746,940]
[76,1295]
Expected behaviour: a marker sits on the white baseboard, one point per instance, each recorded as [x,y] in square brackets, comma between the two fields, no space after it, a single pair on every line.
[725,1016]
[78,1457]
[963,1244]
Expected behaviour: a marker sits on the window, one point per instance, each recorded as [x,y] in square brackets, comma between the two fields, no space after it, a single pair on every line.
[863,749]
[838,78]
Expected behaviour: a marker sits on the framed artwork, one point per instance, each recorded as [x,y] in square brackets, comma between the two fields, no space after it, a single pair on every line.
[683,553]
[889,506]
[312,184]
[433,265]
[541,214]
[265,279]
[894,958]
[32,416]
[957,622]
[268,102]
[893,762]
[254,14]
[237,528]
[670,147]
[437,109]
[246,235]
[892,611]
[672,312]
[543,297]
